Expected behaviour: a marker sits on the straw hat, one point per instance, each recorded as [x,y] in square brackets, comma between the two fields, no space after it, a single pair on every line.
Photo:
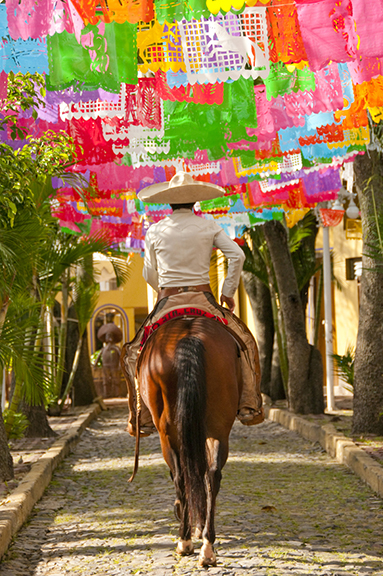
[182,189]
[109,328]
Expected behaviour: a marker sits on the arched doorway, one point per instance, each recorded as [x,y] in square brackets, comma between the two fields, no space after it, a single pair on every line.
[105,314]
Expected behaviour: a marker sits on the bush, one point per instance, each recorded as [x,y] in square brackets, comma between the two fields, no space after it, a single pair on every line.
[345,367]
[20,423]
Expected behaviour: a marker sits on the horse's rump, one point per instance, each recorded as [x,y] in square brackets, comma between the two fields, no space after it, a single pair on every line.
[222,369]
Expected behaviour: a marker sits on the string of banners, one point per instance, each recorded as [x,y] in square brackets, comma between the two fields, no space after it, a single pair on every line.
[267,98]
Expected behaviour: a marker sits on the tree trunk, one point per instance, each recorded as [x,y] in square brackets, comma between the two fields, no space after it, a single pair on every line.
[259,296]
[38,422]
[302,380]
[83,386]
[277,390]
[368,367]
[6,462]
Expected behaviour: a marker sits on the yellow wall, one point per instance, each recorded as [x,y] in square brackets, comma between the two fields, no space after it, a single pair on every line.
[132,297]
[245,310]
[345,301]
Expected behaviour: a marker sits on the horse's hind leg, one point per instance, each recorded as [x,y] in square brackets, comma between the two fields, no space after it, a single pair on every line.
[181,510]
[207,555]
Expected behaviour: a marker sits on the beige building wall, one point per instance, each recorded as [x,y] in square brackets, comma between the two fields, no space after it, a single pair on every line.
[345,300]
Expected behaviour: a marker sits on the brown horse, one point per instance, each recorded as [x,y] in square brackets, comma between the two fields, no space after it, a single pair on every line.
[190,379]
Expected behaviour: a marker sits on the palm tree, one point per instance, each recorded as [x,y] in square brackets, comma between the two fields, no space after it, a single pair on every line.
[261,264]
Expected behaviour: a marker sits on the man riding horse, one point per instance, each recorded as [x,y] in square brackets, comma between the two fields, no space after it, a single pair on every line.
[177,262]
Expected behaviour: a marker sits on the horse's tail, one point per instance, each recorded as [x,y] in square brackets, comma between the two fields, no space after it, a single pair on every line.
[190,420]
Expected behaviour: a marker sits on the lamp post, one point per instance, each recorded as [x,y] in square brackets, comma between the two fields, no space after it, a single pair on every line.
[352,212]
[328,319]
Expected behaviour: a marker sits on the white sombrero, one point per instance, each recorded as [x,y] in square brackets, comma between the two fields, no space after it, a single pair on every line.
[182,189]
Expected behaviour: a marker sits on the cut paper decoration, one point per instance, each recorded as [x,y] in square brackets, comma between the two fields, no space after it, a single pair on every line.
[294,216]
[227,47]
[364,69]
[285,38]
[370,44]
[328,31]
[95,108]
[137,105]
[21,55]
[159,47]
[105,56]
[119,11]
[29,18]
[170,10]
[3,85]
[198,93]
[330,217]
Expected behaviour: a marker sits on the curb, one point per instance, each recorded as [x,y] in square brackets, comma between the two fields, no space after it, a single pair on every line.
[335,444]
[17,507]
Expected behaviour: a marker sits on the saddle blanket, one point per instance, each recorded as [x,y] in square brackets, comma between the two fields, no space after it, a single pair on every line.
[178,313]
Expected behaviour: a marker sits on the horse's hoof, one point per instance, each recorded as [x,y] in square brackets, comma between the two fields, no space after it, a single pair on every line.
[207,556]
[198,534]
[185,547]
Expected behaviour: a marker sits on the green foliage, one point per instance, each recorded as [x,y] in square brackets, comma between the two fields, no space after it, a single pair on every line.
[303,257]
[25,173]
[18,425]
[93,359]
[35,254]
[24,91]
[304,261]
[85,299]
[345,367]
[20,348]
[256,253]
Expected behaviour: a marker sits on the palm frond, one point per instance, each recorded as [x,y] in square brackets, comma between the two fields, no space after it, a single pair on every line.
[344,365]
[85,298]
[64,252]
[255,251]
[19,349]
[121,267]
[303,229]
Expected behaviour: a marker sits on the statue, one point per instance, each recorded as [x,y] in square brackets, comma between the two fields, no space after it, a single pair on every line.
[110,355]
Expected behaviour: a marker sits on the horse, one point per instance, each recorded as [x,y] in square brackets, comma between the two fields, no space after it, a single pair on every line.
[247,48]
[190,379]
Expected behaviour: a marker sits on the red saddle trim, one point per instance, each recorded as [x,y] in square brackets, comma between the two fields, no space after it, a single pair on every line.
[178,313]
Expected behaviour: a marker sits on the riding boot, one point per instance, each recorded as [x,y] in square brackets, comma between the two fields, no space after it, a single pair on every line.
[250,404]
[147,427]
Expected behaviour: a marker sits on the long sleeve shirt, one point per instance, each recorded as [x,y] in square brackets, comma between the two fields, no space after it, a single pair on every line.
[178,251]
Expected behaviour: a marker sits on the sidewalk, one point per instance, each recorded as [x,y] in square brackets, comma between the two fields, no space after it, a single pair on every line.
[35,460]
[364,456]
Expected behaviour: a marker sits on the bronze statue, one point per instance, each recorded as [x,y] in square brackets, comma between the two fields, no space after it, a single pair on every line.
[110,356]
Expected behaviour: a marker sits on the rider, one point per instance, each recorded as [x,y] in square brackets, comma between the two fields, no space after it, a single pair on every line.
[176,265]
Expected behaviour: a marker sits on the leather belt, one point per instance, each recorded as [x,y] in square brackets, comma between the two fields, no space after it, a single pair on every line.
[165,292]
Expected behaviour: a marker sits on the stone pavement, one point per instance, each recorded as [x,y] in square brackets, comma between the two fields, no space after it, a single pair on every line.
[285,507]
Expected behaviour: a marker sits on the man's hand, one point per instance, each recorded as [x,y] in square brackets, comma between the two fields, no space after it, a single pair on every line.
[230,302]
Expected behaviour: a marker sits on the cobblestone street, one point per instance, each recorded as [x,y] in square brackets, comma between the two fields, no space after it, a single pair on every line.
[285,507]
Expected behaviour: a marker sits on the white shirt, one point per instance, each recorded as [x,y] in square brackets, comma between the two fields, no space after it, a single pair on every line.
[178,251]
